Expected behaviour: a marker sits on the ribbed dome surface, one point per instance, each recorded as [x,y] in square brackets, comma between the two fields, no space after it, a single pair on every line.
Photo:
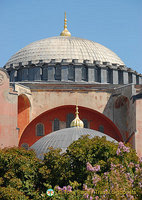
[61,47]
[63,138]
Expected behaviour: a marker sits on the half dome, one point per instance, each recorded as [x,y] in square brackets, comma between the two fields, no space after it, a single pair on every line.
[63,138]
[63,47]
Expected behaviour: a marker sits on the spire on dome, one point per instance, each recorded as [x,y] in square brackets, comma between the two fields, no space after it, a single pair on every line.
[77,122]
[65,32]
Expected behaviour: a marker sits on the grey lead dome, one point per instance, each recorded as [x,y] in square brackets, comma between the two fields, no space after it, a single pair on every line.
[63,138]
[62,47]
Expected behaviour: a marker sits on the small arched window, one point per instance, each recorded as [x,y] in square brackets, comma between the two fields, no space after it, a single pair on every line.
[101,128]
[57,73]
[56,124]
[120,77]
[130,77]
[85,122]
[137,79]
[39,129]
[109,75]
[25,146]
[97,74]
[84,73]
[70,118]
[71,73]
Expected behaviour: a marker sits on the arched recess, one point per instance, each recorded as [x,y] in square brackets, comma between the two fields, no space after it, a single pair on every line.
[94,118]
[121,115]
[23,113]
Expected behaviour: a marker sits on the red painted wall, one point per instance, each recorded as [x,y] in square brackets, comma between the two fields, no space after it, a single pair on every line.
[96,119]
[23,113]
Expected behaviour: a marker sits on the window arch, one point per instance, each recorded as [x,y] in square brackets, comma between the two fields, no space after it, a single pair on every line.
[109,75]
[25,146]
[120,77]
[57,73]
[56,124]
[85,122]
[130,77]
[101,128]
[84,73]
[70,118]
[39,129]
[71,73]
[97,74]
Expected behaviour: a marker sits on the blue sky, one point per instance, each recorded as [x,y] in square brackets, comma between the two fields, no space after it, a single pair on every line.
[116,24]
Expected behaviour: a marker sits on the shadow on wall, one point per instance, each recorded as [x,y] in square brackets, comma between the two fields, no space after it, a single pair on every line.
[23,112]
[121,110]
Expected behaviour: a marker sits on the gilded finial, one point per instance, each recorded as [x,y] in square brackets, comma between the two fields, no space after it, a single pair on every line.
[65,32]
[77,122]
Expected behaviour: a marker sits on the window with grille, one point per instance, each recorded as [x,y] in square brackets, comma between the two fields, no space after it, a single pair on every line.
[97,74]
[56,124]
[109,76]
[84,73]
[25,146]
[101,128]
[70,118]
[137,80]
[130,77]
[39,129]
[57,73]
[85,122]
[120,77]
[71,73]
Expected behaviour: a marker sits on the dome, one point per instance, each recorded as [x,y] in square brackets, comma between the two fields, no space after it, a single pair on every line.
[63,47]
[63,138]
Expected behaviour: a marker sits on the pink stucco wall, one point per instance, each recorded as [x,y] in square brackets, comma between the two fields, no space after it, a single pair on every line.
[8,113]
[138,135]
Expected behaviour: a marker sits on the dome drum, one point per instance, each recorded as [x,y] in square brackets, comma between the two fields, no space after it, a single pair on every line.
[73,72]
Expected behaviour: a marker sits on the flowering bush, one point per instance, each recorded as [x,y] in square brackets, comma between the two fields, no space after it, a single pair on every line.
[90,169]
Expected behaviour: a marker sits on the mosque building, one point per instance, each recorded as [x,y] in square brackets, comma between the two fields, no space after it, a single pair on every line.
[41,83]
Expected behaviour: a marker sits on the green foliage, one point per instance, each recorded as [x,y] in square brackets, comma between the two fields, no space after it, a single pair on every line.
[23,176]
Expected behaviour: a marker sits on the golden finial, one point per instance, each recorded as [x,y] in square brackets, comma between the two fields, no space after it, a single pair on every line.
[77,122]
[65,32]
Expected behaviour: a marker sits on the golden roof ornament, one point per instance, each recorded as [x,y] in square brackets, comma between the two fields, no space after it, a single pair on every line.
[65,32]
[77,122]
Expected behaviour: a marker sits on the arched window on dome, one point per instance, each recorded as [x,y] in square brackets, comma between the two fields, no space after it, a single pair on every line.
[109,75]
[56,124]
[70,117]
[84,73]
[101,128]
[25,146]
[45,73]
[39,129]
[130,77]
[19,75]
[58,73]
[120,77]
[85,122]
[137,79]
[97,74]
[71,73]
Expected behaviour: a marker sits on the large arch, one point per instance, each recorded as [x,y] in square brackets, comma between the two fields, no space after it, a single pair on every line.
[94,118]
[23,113]
[121,115]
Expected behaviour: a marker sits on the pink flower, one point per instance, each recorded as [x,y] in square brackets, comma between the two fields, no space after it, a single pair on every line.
[86,196]
[120,145]
[69,188]
[118,151]
[97,168]
[89,167]
[84,186]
